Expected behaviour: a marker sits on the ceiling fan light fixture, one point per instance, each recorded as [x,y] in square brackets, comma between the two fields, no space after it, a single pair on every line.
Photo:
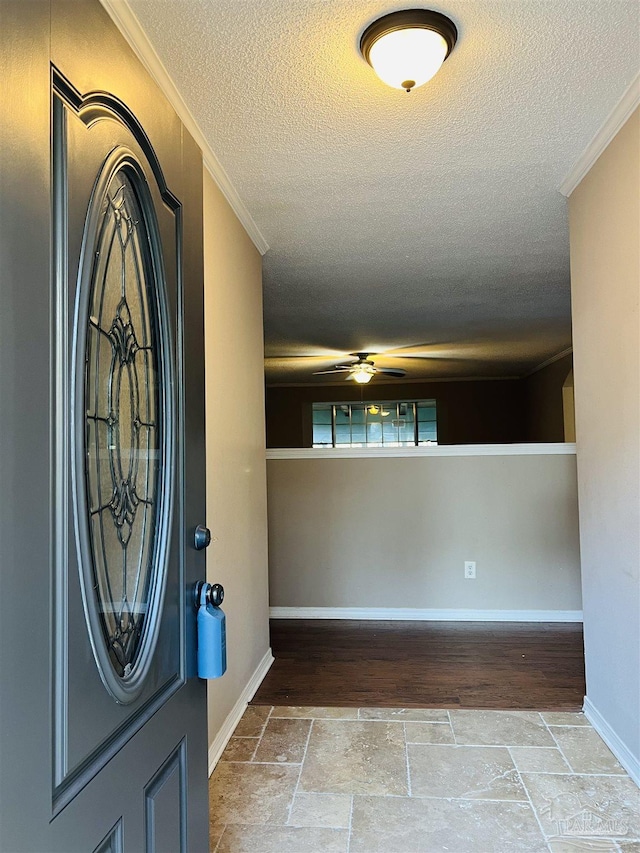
[363,374]
[362,370]
[407,48]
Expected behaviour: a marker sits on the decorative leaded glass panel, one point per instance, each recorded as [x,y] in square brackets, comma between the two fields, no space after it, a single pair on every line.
[123,420]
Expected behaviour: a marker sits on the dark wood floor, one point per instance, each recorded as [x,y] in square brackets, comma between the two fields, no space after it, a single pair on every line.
[425,664]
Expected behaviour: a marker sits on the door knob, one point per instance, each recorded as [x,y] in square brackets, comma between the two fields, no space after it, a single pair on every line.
[208,593]
[202,537]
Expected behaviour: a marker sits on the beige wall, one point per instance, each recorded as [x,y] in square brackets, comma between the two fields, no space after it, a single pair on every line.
[236,492]
[604,222]
[395,532]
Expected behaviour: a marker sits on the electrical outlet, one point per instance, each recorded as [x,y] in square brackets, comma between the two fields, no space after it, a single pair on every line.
[469,569]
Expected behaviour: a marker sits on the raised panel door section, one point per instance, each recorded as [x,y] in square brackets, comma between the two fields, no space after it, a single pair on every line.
[165,806]
[113,842]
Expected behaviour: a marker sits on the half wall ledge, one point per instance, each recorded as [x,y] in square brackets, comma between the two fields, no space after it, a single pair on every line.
[549,449]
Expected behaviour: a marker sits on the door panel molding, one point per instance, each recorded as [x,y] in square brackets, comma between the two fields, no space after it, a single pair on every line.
[73,782]
[157,797]
[61,440]
[113,842]
[94,106]
[123,690]
[68,780]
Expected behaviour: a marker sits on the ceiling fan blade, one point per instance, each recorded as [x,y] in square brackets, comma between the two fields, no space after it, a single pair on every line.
[386,362]
[294,361]
[336,369]
[476,350]
[419,350]
[390,371]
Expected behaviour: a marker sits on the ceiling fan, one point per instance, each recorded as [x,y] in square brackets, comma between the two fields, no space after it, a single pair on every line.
[362,370]
[436,357]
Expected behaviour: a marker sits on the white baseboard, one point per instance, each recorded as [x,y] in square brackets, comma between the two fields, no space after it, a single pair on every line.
[629,761]
[411,614]
[233,717]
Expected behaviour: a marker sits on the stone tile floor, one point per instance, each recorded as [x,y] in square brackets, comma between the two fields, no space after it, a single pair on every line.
[349,780]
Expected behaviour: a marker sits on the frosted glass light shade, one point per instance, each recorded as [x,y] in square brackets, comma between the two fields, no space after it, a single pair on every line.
[406,59]
[363,374]
[406,48]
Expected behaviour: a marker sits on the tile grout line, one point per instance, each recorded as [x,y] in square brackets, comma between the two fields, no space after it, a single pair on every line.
[452,799]
[560,750]
[268,763]
[550,727]
[264,728]
[333,719]
[253,754]
[533,809]
[529,746]
[572,773]
[585,725]
[358,719]
[220,839]
[453,731]
[295,790]
[259,740]
[420,797]
[406,758]
[350,824]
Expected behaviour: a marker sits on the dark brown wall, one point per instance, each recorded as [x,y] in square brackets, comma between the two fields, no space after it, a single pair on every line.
[543,401]
[471,412]
[480,412]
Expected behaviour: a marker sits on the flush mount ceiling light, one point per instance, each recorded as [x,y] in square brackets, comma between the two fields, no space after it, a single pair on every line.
[407,48]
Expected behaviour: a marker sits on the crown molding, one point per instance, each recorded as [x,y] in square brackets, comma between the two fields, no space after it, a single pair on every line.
[549,361]
[124,18]
[614,121]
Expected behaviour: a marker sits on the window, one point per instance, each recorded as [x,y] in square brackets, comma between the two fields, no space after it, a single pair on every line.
[375,424]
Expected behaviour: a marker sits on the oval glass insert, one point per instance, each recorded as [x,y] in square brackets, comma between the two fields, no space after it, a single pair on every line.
[126,452]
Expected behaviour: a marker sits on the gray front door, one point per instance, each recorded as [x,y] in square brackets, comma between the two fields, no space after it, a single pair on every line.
[103,717]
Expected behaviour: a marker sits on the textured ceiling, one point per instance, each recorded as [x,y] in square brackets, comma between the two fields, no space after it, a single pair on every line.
[430,221]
